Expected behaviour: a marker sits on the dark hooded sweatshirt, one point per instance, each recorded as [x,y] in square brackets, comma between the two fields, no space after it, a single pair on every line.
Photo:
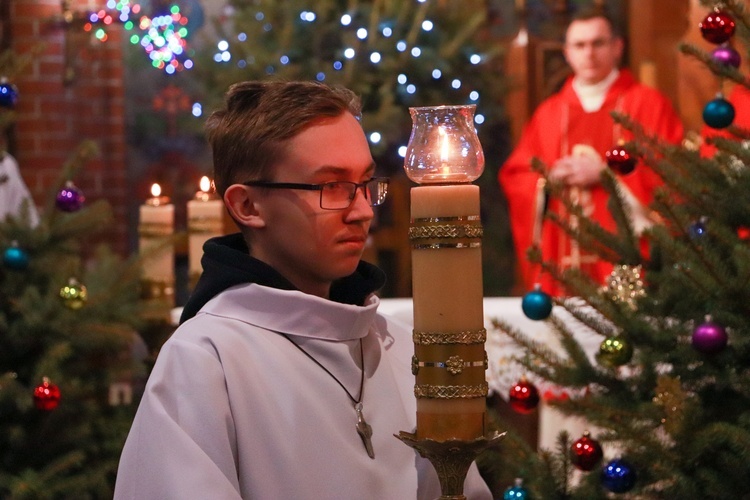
[227,262]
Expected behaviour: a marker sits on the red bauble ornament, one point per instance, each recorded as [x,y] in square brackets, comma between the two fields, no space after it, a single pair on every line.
[46,395]
[524,396]
[620,160]
[586,452]
[717,27]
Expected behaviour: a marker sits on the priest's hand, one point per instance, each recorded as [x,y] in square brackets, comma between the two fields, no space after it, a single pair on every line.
[577,170]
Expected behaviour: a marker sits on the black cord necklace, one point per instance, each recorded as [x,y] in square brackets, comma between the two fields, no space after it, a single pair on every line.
[363,428]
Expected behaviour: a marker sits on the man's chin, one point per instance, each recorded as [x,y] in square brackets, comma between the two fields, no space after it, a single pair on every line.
[591,77]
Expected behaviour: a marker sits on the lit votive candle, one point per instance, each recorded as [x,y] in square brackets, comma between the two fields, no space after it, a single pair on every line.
[205,220]
[155,229]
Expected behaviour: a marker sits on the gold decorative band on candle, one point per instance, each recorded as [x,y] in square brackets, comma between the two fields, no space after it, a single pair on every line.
[153,289]
[454,364]
[445,231]
[463,337]
[451,391]
[205,225]
[439,246]
[438,220]
[446,227]
[155,230]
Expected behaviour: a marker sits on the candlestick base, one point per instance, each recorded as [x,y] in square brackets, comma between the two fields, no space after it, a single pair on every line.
[451,459]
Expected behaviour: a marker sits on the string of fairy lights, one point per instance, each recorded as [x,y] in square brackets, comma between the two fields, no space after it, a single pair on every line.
[406,85]
[162,37]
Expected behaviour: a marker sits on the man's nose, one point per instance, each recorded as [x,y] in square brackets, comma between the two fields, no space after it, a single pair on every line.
[361,204]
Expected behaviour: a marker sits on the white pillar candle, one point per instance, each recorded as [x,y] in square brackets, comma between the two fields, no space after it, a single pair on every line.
[448,299]
[205,219]
[155,229]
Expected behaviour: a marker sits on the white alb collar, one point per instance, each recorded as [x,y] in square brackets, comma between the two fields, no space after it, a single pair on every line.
[592,95]
[293,312]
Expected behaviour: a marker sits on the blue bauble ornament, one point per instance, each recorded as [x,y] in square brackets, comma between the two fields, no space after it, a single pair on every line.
[697,229]
[15,257]
[618,476]
[718,113]
[8,95]
[537,305]
[516,492]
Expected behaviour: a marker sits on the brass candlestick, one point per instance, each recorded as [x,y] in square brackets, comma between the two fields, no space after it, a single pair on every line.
[451,459]
[449,361]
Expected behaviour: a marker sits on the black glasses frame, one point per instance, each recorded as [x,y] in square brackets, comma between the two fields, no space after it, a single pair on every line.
[382,183]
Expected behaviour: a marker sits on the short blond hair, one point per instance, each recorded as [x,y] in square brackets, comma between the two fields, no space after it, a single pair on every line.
[247,136]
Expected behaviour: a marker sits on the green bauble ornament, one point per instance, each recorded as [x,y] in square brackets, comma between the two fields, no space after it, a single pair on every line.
[614,351]
[74,294]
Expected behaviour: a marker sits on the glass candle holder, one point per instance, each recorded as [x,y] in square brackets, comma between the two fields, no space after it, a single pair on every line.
[443,147]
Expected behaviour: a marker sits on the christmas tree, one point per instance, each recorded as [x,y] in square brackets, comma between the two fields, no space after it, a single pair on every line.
[667,394]
[395,54]
[68,312]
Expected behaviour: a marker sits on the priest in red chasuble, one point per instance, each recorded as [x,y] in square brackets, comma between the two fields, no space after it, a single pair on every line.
[570,132]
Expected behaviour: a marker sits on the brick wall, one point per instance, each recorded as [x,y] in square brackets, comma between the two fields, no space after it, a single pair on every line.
[54,117]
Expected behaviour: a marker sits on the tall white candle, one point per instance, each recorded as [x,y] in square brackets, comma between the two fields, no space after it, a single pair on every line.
[155,228]
[448,298]
[449,361]
[205,220]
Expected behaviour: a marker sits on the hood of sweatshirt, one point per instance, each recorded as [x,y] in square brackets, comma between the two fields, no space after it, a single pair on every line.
[227,262]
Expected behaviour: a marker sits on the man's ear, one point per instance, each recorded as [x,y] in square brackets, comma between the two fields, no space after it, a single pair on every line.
[242,205]
[619,49]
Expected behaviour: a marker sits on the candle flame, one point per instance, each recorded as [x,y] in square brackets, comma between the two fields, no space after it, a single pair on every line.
[205,184]
[155,190]
[444,145]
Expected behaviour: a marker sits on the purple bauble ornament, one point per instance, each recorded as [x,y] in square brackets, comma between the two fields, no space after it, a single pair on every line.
[709,337]
[727,56]
[69,198]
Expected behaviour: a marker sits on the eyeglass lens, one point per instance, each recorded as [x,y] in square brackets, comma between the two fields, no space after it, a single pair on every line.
[337,195]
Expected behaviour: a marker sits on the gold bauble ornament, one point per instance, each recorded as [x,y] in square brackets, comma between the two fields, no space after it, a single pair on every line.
[625,285]
[74,294]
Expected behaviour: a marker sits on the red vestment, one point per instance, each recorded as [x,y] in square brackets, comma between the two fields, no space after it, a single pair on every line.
[559,124]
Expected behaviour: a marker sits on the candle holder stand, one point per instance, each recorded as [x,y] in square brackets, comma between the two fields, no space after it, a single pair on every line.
[451,459]
[449,361]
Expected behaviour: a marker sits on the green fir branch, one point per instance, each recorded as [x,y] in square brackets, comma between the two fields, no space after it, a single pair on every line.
[723,70]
